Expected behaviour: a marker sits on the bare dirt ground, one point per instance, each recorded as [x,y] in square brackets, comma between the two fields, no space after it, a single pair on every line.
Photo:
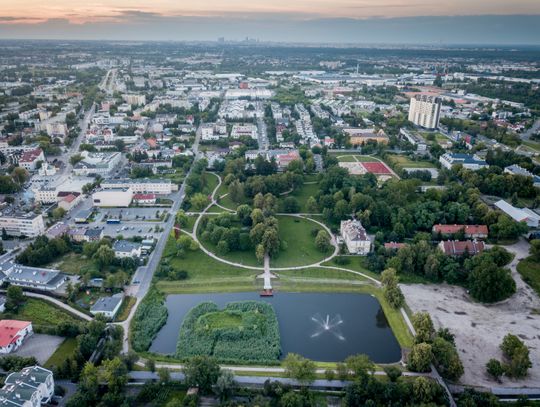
[479,329]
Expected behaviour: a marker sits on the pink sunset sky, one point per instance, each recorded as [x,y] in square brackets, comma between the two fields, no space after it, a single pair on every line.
[80,11]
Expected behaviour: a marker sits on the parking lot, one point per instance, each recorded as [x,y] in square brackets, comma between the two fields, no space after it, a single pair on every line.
[39,346]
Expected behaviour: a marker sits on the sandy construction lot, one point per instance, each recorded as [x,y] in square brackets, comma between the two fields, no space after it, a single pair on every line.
[479,329]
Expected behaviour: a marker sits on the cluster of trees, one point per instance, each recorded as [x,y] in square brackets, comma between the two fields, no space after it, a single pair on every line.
[391,291]
[44,250]
[516,361]
[484,274]
[434,347]
[255,339]
[150,316]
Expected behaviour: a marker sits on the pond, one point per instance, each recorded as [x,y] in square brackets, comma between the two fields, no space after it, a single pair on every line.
[326,327]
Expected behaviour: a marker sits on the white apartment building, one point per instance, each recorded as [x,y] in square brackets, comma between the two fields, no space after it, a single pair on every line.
[113,198]
[134,99]
[239,130]
[355,237]
[425,111]
[207,132]
[97,163]
[27,224]
[141,185]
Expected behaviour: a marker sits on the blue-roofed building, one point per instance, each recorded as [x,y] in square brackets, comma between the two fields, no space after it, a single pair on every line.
[468,161]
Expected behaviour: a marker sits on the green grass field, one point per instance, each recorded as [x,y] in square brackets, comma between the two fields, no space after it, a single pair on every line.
[73,263]
[42,313]
[401,161]
[302,195]
[125,308]
[530,271]
[65,350]
[301,249]
[351,158]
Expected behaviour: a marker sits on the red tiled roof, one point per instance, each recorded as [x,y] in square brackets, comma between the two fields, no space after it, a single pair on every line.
[467,229]
[9,330]
[457,247]
[30,155]
[140,197]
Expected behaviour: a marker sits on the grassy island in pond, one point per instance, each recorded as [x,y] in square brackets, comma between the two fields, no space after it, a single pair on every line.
[243,332]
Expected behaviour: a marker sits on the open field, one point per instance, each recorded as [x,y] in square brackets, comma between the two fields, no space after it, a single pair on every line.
[42,313]
[303,194]
[301,249]
[401,161]
[479,329]
[73,263]
[65,350]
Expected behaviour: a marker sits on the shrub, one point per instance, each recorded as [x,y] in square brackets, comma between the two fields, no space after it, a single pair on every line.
[148,320]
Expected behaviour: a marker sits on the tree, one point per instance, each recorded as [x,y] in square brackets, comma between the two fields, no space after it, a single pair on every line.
[14,298]
[516,356]
[393,373]
[19,175]
[291,205]
[104,256]
[495,369]
[89,382]
[447,359]
[535,249]
[322,241]
[150,364]
[423,390]
[114,373]
[329,375]
[76,158]
[420,358]
[391,289]
[225,385]
[164,375]
[202,372]
[270,241]
[299,368]
[490,283]
[360,366]
[423,326]
[182,219]
[236,191]
[58,213]
[199,201]
[311,205]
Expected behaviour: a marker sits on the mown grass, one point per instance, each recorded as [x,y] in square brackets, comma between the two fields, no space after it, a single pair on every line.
[64,351]
[301,249]
[73,263]
[530,271]
[302,195]
[401,161]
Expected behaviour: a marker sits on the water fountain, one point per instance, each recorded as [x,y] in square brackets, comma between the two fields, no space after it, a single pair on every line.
[328,324]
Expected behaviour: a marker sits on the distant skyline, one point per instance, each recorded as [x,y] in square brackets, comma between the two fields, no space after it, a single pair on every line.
[351,21]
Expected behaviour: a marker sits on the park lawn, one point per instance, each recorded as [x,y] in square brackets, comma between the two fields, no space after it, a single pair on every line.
[211,183]
[356,263]
[533,145]
[73,263]
[323,274]
[42,313]
[190,223]
[401,161]
[346,159]
[125,308]
[301,249]
[302,195]
[199,266]
[64,351]
[530,271]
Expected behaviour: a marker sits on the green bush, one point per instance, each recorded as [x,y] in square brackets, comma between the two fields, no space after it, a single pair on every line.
[243,332]
[148,320]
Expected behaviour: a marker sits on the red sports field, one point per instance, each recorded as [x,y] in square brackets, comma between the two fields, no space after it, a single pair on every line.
[377,168]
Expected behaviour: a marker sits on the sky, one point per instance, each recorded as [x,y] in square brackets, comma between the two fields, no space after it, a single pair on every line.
[353,21]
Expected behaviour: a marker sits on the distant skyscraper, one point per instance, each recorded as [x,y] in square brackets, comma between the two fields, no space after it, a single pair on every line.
[425,111]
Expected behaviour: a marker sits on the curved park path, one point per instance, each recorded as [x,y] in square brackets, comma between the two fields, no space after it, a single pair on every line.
[318,264]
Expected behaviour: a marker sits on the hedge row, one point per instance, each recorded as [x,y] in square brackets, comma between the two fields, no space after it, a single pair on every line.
[148,320]
[256,340]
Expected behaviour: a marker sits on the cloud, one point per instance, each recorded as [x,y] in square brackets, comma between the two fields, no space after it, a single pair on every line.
[9,19]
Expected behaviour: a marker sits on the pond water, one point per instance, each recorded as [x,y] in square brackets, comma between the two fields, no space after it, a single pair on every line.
[326,327]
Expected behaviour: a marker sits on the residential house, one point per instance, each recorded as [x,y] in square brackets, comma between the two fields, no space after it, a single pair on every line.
[469,231]
[355,237]
[108,306]
[459,248]
[13,333]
